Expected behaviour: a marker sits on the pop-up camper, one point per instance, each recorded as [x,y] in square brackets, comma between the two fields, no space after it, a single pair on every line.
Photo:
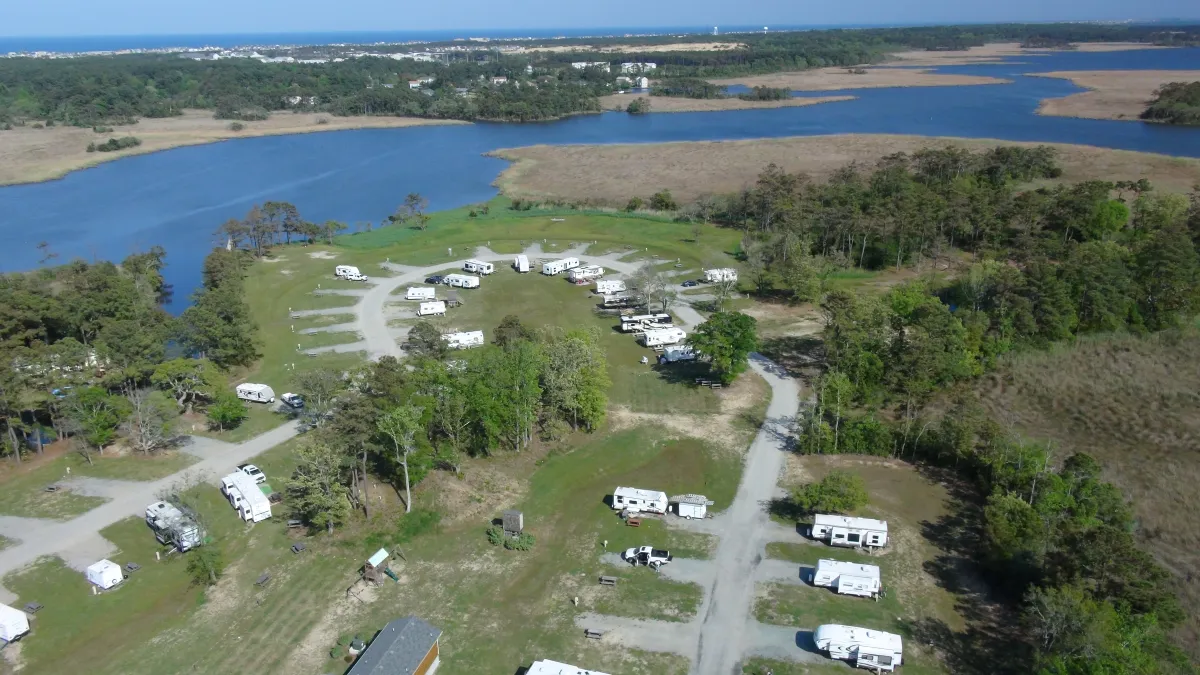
[863,648]
[847,578]
[521,263]
[105,574]
[675,353]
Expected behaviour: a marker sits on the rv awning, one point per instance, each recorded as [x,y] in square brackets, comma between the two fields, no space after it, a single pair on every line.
[378,558]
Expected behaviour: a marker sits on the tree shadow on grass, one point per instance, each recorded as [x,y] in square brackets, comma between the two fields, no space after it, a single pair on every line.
[795,353]
[974,651]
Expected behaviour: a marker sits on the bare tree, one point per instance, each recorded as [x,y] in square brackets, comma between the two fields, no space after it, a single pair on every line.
[150,423]
[319,387]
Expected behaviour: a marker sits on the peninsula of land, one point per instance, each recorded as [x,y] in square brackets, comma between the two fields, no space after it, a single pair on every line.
[611,174]
[1112,94]
[31,155]
[678,104]
[1002,52]
[833,79]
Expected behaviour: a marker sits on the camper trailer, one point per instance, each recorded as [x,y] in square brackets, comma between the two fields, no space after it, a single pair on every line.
[621,301]
[13,624]
[608,286]
[437,308]
[863,648]
[721,274]
[464,340]
[172,527]
[848,578]
[582,275]
[246,497]
[640,322]
[346,272]
[462,281]
[105,574]
[553,267]
[479,267]
[257,393]
[663,336]
[851,532]
[637,500]
[676,353]
[691,506]
[521,264]
[420,293]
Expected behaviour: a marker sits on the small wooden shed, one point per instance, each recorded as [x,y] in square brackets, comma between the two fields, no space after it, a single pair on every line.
[514,522]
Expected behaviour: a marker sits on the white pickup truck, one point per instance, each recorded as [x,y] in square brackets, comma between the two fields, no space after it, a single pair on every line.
[647,555]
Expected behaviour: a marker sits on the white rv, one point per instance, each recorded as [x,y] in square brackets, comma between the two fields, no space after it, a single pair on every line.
[663,336]
[246,497]
[464,340]
[346,272]
[258,393]
[863,648]
[420,293]
[174,527]
[721,274]
[691,506]
[581,275]
[105,574]
[437,308]
[548,667]
[521,263]
[637,500]
[640,322]
[553,267]
[677,353]
[479,267]
[607,286]
[848,578]
[462,281]
[13,624]
[620,300]
[851,532]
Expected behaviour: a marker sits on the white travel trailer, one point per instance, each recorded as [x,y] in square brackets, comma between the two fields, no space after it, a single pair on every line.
[464,340]
[479,267]
[863,648]
[677,353]
[637,500]
[851,532]
[584,274]
[420,293]
[174,527]
[621,300]
[346,272]
[432,309]
[105,574]
[691,506]
[640,322]
[848,578]
[13,624]
[663,336]
[608,286]
[462,281]
[548,667]
[246,497]
[553,267]
[258,393]
[521,263]
[720,274]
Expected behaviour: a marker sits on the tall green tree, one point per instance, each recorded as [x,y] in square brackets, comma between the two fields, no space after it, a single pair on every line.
[401,426]
[1168,269]
[317,492]
[726,340]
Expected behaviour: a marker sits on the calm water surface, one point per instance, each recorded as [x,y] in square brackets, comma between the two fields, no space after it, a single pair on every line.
[178,197]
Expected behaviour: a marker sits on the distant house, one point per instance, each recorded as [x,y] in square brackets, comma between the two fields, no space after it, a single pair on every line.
[389,86]
[407,646]
[462,91]
[414,84]
[637,67]
[584,65]
[643,83]
[500,79]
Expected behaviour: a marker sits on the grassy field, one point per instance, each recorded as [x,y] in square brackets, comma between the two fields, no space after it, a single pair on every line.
[1132,403]
[761,666]
[23,493]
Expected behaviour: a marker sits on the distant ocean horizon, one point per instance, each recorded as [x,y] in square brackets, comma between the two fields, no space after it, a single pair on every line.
[109,43]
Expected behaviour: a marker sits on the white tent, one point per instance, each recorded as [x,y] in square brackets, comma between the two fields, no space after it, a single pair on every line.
[13,623]
[105,574]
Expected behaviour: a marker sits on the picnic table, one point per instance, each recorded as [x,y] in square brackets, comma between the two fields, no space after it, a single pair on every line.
[593,634]
[33,607]
[295,523]
[608,581]
[263,580]
[132,567]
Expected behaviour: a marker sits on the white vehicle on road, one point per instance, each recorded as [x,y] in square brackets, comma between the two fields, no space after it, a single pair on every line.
[652,557]
[254,472]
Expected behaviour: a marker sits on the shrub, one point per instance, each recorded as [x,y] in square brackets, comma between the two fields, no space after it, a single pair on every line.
[521,542]
[472,214]
[555,429]
[102,130]
[91,147]
[663,201]
[236,126]
[226,412]
[634,204]
[37,126]
[839,492]
[495,535]
[322,120]
[205,565]
[639,106]
[114,144]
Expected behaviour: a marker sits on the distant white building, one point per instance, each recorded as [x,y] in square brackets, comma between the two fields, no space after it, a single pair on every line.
[638,67]
[584,65]
[500,79]
[414,84]
[643,83]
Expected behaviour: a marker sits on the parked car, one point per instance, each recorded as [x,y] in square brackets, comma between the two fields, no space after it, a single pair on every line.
[254,472]
[435,279]
[647,555]
[690,283]
[292,400]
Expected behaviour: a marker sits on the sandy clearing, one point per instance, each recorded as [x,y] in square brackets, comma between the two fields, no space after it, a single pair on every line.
[613,173]
[29,155]
[831,79]
[1113,95]
[1001,52]
[660,104]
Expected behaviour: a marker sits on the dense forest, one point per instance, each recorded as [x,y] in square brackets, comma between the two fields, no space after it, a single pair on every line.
[1045,265]
[1175,103]
[88,91]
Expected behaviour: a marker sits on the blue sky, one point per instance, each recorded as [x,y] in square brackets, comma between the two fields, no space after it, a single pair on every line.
[145,17]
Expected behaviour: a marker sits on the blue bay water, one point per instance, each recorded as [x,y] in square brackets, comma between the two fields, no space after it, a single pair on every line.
[177,198]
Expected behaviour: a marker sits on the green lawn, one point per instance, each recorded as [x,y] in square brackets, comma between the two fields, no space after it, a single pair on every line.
[808,607]
[761,666]
[259,419]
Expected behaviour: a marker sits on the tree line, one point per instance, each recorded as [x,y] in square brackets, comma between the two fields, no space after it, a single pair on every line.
[1175,103]
[401,421]
[693,87]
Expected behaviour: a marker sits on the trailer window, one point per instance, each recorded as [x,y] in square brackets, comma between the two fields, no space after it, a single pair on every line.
[854,537]
[839,536]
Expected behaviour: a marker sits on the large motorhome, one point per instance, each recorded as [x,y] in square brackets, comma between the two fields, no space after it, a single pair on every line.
[663,336]
[420,293]
[521,263]
[608,286]
[464,340]
[721,274]
[479,267]
[346,272]
[173,527]
[437,308]
[461,281]
[848,578]
[850,532]
[246,497]
[582,275]
[553,267]
[863,648]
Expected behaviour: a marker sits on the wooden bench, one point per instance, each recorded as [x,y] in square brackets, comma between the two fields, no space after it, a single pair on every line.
[592,633]
[608,581]
[132,567]
[295,523]
[633,522]
[715,385]
[263,580]
[33,607]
